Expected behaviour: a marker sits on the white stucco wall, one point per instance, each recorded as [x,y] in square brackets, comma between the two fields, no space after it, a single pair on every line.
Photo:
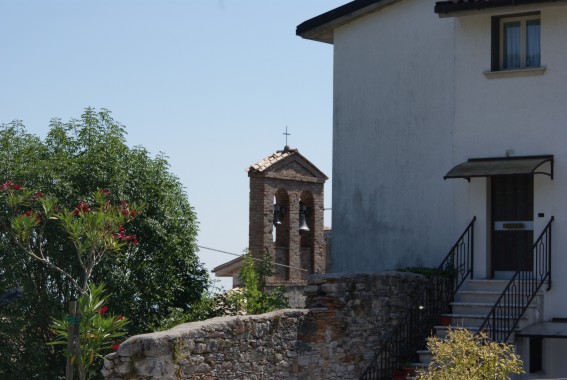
[411,101]
[526,116]
[393,130]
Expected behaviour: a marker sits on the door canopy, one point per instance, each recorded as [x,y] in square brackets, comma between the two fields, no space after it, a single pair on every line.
[502,166]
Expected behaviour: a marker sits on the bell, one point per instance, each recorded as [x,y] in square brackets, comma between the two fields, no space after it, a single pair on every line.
[277,218]
[303,222]
[277,215]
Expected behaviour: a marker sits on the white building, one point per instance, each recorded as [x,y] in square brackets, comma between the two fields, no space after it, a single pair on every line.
[446,111]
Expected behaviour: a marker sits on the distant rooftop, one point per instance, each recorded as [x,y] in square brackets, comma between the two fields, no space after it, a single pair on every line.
[265,163]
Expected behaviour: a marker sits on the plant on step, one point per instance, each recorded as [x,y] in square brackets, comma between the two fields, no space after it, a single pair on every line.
[99,331]
[465,356]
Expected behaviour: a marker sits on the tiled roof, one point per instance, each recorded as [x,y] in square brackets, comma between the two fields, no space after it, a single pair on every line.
[228,268]
[264,164]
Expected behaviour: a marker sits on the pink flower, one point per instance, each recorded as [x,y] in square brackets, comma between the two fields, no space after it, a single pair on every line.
[103,310]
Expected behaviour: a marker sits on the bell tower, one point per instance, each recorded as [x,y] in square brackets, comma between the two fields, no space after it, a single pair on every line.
[286,215]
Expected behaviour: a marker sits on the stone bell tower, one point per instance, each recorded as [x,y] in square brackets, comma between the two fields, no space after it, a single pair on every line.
[286,215]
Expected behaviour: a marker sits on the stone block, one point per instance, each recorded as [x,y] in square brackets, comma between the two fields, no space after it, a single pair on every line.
[156,347]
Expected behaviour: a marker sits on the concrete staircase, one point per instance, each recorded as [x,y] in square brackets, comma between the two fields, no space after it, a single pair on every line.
[471,306]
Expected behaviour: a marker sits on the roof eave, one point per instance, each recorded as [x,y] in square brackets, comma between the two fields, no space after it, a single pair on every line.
[450,9]
[321,28]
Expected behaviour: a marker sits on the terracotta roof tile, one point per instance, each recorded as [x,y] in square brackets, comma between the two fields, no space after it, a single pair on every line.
[265,163]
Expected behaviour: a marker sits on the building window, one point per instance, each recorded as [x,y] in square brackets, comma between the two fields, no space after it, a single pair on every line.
[516,42]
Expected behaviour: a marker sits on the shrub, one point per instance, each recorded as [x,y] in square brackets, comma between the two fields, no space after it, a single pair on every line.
[465,356]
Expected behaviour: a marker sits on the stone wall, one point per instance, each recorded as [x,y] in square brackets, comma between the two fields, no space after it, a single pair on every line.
[334,338]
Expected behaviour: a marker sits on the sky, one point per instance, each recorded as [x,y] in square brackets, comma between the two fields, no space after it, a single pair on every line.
[210,83]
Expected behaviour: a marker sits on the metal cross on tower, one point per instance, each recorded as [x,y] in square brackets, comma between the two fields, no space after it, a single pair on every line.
[286,134]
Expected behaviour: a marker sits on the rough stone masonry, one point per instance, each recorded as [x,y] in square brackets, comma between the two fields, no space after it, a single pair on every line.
[334,338]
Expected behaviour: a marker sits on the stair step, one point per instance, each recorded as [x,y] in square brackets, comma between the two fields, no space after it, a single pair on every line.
[425,356]
[441,331]
[473,303]
[472,320]
[481,308]
[484,296]
[484,284]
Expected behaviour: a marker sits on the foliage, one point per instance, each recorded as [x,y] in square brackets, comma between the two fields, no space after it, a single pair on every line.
[464,356]
[252,298]
[74,160]
[93,231]
[99,331]
[256,298]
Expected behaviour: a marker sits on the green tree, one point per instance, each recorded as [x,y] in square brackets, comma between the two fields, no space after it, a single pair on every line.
[465,356]
[74,160]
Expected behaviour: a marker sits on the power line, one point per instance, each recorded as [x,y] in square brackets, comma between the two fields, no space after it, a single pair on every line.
[253,258]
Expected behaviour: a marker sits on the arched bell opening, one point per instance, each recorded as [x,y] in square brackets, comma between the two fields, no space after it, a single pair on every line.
[307,233]
[281,235]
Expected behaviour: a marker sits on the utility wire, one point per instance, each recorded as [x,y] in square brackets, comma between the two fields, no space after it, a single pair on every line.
[253,258]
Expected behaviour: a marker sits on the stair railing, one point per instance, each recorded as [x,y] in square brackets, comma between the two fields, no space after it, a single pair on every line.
[522,288]
[412,330]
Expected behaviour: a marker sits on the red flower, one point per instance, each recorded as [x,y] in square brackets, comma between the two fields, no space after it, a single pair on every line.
[104,191]
[120,318]
[115,346]
[10,185]
[28,213]
[81,207]
[38,219]
[103,310]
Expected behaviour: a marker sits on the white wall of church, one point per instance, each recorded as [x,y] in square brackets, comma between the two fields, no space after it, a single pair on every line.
[393,130]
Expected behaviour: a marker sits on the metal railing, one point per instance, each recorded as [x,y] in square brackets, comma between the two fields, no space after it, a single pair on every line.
[506,313]
[410,334]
